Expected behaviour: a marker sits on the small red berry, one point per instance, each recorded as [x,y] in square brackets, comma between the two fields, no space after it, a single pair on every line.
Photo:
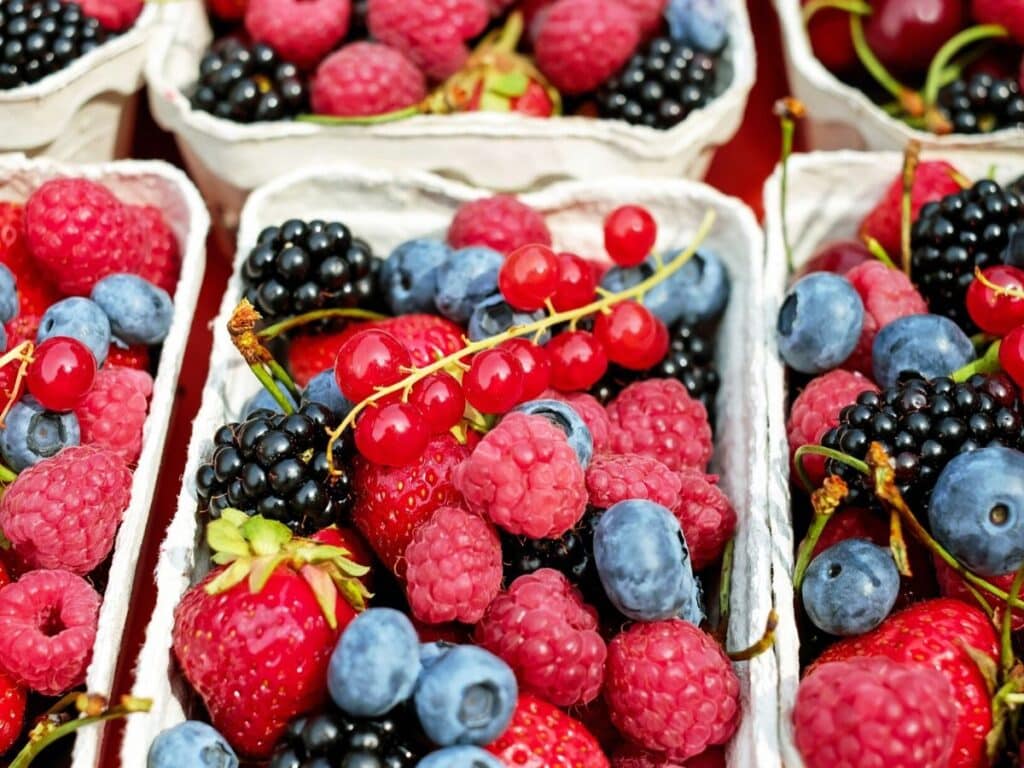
[62,371]
[494,382]
[990,309]
[394,435]
[631,336]
[368,360]
[576,283]
[529,277]
[1011,355]
[578,361]
[536,364]
[629,235]
[440,399]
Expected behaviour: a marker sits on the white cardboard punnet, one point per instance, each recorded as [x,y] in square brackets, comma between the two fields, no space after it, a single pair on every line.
[388,209]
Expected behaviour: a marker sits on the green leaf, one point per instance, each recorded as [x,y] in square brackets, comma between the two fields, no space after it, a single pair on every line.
[231,576]
[324,591]
[225,537]
[267,537]
[234,516]
[510,84]
[491,102]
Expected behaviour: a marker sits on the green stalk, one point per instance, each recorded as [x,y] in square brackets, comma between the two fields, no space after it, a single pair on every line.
[788,111]
[850,6]
[271,386]
[1006,656]
[905,96]
[725,589]
[987,363]
[279,373]
[933,82]
[828,453]
[386,117]
[805,551]
[879,252]
[283,326]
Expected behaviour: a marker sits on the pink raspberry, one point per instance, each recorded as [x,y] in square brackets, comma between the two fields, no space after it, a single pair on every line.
[706,516]
[433,33]
[115,15]
[887,295]
[501,222]
[525,477]
[582,43]
[543,630]
[1006,13]
[47,630]
[670,688]
[631,756]
[63,512]
[113,412]
[874,711]
[453,567]
[498,7]
[658,418]
[79,233]
[299,31]
[613,478]
[648,14]
[591,411]
[366,79]
[163,260]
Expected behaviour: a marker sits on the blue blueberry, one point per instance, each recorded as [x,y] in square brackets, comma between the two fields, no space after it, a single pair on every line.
[850,588]
[977,510]
[80,319]
[566,418]
[192,744]
[323,389]
[466,279]
[376,663]
[8,295]
[702,24]
[926,345]
[139,312]
[31,433]
[643,561]
[618,279]
[468,696]
[460,757]
[431,652]
[3,339]
[408,277]
[819,323]
[493,315]
[264,401]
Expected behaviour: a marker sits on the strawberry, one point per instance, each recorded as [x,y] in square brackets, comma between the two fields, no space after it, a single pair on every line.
[12,712]
[254,638]
[939,633]
[136,356]
[35,293]
[542,734]
[427,337]
[22,328]
[311,354]
[349,540]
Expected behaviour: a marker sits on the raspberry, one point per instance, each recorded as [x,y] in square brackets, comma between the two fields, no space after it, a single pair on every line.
[706,516]
[612,478]
[501,222]
[427,337]
[887,295]
[658,418]
[64,511]
[433,33]
[366,79]
[631,756]
[542,628]
[453,567]
[591,411]
[79,233]
[113,412]
[47,629]
[115,15]
[525,477]
[312,353]
[582,43]
[874,711]
[670,688]
[163,260]
[952,584]
[498,7]
[1006,13]
[648,14]
[299,31]
[135,356]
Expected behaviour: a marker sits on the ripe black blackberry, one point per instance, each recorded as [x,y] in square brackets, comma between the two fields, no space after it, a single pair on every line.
[336,740]
[982,104]
[275,465]
[303,266]
[40,37]
[248,83]
[660,86]
[951,237]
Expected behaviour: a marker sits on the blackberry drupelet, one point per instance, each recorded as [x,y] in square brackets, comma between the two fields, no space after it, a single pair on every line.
[336,740]
[40,37]
[951,237]
[275,465]
[248,84]
[661,86]
[982,104]
[304,266]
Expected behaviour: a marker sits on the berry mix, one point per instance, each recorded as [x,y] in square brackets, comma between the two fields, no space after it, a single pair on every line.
[647,62]
[425,527]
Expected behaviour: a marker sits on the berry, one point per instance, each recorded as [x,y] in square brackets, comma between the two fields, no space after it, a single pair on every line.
[982,104]
[248,83]
[629,235]
[301,32]
[699,291]
[820,322]
[35,292]
[139,312]
[703,24]
[534,362]
[906,36]
[501,223]
[369,360]
[61,373]
[12,712]
[592,413]
[493,316]
[31,434]
[427,337]
[850,588]
[323,390]
[927,346]
[440,401]
[311,353]
[542,734]
[466,278]
[408,277]
[494,381]
[1011,355]
[191,743]
[648,14]
[578,361]
[952,584]
[136,357]
[839,256]
[366,79]
[163,259]
[529,277]
[567,418]
[614,478]
[47,630]
[8,295]
[993,310]
[393,435]
[576,283]
[113,413]
[115,15]
[334,738]
[79,319]
[460,757]
[632,337]
[1007,14]
[706,516]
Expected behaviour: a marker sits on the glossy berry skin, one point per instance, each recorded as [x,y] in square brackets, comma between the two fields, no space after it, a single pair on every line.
[408,277]
[31,433]
[494,315]
[928,346]
[529,277]
[468,277]
[333,738]
[139,312]
[12,702]
[850,588]
[494,382]
[440,400]
[819,323]
[566,418]
[578,361]
[460,757]
[248,84]
[368,360]
[393,435]
[994,312]
[1011,355]
[191,743]
[61,373]
[838,257]
[629,235]
[80,319]
[535,363]
[632,337]
[906,35]
[576,283]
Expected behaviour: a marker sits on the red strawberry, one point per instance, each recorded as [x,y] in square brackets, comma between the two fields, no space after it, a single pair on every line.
[12,712]
[427,337]
[311,354]
[543,735]
[349,540]
[135,356]
[35,293]
[22,328]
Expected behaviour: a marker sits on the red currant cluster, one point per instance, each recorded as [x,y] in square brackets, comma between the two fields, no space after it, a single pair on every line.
[995,302]
[58,373]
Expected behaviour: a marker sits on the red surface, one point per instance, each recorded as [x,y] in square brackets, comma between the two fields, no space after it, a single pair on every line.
[740,168]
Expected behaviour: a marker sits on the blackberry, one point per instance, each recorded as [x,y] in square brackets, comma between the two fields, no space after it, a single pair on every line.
[982,104]
[40,37]
[923,425]
[304,266]
[660,87]
[336,740]
[248,84]
[951,237]
[275,465]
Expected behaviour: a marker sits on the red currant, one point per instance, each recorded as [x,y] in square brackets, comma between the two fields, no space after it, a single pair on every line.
[629,235]
[576,283]
[370,359]
[529,277]
[62,371]
[440,399]
[1011,355]
[992,311]
[631,336]
[578,361]
[535,363]
[393,435]
[494,382]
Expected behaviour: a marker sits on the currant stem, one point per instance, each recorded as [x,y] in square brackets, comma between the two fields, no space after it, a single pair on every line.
[933,82]
[275,330]
[828,453]
[271,386]
[22,352]
[766,641]
[850,6]
[1006,655]
[789,110]
[908,98]
[725,590]
[911,159]
[987,363]
[878,251]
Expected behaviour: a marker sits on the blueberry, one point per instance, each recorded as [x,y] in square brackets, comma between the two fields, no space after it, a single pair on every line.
[566,418]
[703,24]
[264,401]
[139,312]
[460,757]
[850,587]
[408,277]
[80,319]
[376,663]
[323,389]
[819,323]
[643,561]
[191,743]
[8,295]
[3,339]
[977,510]
[929,346]
[431,652]
[493,315]
[618,279]
[468,696]
[31,433]
[466,279]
